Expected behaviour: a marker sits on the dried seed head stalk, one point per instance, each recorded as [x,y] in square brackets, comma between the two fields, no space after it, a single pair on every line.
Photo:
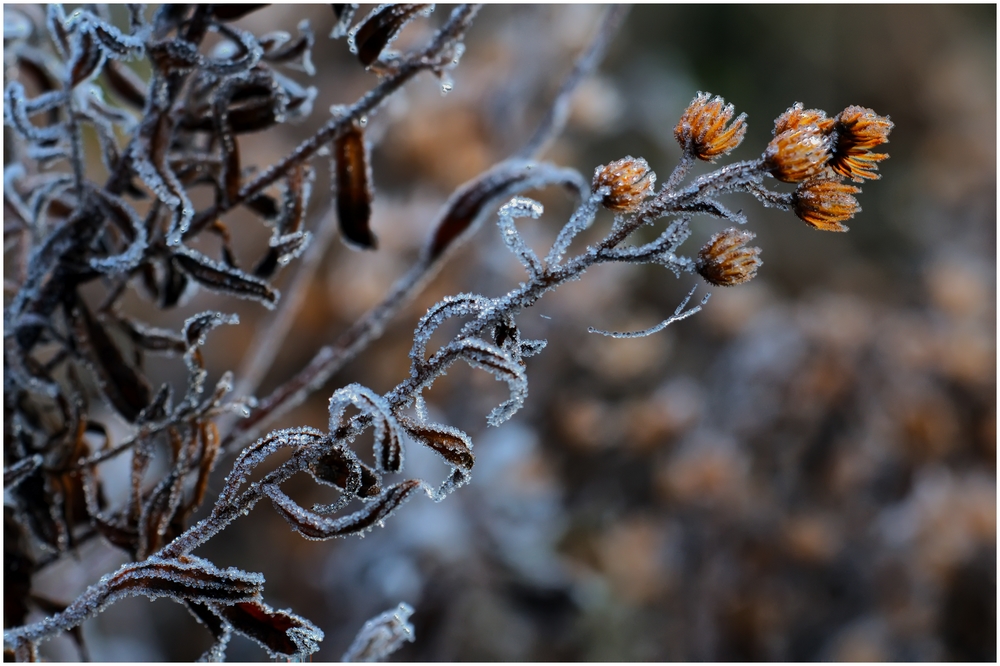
[825,204]
[726,261]
[799,154]
[858,130]
[630,180]
[702,129]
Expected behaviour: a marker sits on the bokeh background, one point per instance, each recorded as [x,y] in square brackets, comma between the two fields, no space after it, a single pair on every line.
[806,470]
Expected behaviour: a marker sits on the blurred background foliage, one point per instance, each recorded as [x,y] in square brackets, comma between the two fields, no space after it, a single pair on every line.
[806,470]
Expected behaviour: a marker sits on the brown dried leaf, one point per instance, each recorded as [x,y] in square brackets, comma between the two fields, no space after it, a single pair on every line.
[218,277]
[450,443]
[127,390]
[340,467]
[353,185]
[473,200]
[380,28]
[282,633]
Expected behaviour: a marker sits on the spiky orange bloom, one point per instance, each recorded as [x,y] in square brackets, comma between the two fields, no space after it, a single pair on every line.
[796,117]
[630,179]
[796,155]
[725,261]
[825,204]
[858,130]
[702,128]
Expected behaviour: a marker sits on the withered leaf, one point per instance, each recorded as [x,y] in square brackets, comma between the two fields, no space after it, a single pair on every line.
[127,390]
[353,184]
[21,470]
[187,577]
[208,435]
[340,467]
[295,53]
[380,28]
[158,512]
[175,282]
[450,443]
[88,56]
[314,526]
[282,633]
[218,277]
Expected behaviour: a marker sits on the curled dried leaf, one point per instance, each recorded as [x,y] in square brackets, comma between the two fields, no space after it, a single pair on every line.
[314,526]
[340,467]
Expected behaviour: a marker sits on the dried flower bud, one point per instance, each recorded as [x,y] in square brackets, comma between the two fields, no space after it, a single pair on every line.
[796,117]
[825,204]
[798,154]
[725,261]
[702,128]
[630,179]
[858,130]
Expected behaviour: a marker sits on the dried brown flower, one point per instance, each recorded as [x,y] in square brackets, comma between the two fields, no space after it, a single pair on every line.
[702,129]
[725,261]
[858,130]
[630,179]
[796,117]
[824,204]
[796,155]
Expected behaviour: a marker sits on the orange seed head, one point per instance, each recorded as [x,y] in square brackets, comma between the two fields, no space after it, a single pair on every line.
[630,180]
[825,204]
[799,154]
[702,129]
[726,261]
[858,130]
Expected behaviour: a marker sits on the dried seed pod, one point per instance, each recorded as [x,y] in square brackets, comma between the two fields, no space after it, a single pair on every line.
[353,184]
[702,129]
[725,261]
[796,117]
[824,204]
[858,130]
[630,180]
[799,154]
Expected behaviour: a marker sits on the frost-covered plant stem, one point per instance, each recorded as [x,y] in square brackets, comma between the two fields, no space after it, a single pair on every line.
[331,358]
